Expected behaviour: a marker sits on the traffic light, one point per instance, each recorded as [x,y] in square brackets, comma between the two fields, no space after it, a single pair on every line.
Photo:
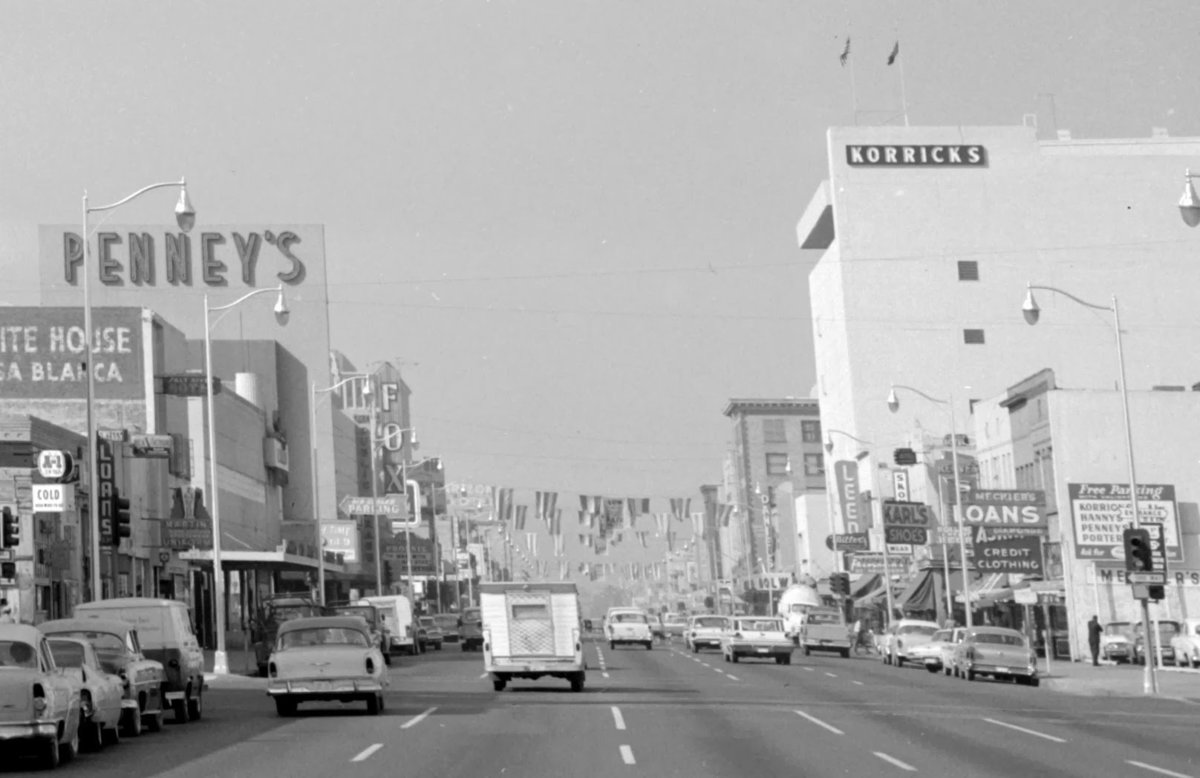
[12,528]
[387,572]
[1157,592]
[1138,555]
[839,584]
[122,527]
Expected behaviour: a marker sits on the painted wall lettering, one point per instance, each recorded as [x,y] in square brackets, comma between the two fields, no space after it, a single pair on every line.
[861,155]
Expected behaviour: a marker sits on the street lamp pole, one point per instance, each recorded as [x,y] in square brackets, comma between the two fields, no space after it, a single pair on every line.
[185,218]
[1031,312]
[220,659]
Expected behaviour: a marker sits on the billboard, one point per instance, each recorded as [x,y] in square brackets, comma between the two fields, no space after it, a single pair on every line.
[1101,512]
[1013,511]
[43,353]
[1001,552]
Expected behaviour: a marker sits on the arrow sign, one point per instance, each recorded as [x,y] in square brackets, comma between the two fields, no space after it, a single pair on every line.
[392,505]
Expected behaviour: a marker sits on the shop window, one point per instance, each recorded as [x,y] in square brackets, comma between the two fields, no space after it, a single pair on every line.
[774,431]
[777,464]
[810,431]
[968,270]
[973,337]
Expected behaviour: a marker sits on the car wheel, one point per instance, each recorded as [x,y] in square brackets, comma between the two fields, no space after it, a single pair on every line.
[612,645]
[733,657]
[133,722]
[970,675]
[945,671]
[155,721]
[498,684]
[649,645]
[195,706]
[91,737]
[577,682]
[387,659]
[787,660]
[69,750]
[807,652]
[51,756]
[695,649]
[181,713]
[285,706]
[1035,681]
[373,705]
[262,671]
[931,668]
[899,661]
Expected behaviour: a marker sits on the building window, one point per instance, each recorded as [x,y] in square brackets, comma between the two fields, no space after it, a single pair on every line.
[972,336]
[814,464]
[777,464]
[810,431]
[773,431]
[968,270]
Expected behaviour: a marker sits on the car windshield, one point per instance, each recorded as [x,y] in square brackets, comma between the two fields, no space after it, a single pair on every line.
[823,617]
[711,621]
[323,636]
[446,620]
[761,625]
[427,622]
[629,618]
[367,612]
[1000,639]
[471,614]
[673,618]
[942,635]
[15,653]
[916,629]
[1116,628]
[284,613]
[67,653]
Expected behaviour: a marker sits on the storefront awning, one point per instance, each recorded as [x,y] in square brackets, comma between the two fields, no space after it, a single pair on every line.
[991,589]
[866,584]
[278,558]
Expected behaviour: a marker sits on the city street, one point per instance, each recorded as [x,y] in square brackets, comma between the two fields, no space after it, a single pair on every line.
[668,712]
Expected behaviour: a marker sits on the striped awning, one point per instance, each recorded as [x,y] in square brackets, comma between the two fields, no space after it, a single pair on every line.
[992,587]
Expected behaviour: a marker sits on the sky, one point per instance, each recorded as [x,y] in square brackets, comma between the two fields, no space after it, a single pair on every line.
[570,224]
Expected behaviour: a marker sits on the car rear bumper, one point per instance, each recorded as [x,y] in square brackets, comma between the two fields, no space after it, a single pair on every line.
[324,688]
[699,642]
[1006,670]
[28,730]
[755,649]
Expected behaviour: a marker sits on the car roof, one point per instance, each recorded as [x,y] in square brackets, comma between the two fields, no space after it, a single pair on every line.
[994,631]
[25,633]
[128,602]
[355,623]
[112,626]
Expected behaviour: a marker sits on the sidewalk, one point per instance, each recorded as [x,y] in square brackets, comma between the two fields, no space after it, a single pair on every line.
[1110,680]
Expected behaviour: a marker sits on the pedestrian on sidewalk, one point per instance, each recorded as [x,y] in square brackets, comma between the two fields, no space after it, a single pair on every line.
[1094,630]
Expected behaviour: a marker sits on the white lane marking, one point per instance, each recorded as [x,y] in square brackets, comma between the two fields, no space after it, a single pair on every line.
[1158,770]
[831,675]
[733,677]
[719,670]
[1033,732]
[366,752]
[894,761]
[820,723]
[618,719]
[627,755]
[418,718]
[482,676]
[604,675]
[857,683]
[809,669]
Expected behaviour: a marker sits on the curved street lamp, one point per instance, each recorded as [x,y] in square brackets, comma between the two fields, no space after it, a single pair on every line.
[1031,312]
[893,403]
[185,218]
[220,659]
[1189,204]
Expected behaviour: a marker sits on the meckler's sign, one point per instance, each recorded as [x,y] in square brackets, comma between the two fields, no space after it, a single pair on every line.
[939,155]
[1011,511]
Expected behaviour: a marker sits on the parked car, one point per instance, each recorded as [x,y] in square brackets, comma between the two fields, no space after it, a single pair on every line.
[119,650]
[448,624]
[275,610]
[471,629]
[623,626]
[1165,634]
[1185,645]
[936,654]
[429,634]
[761,637]
[1003,654]
[326,658]
[40,706]
[1116,643]
[165,630]
[674,624]
[100,693]
[705,632]
[905,635]
[371,615]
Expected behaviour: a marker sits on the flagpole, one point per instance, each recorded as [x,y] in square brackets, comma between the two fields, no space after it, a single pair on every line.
[846,53]
[903,91]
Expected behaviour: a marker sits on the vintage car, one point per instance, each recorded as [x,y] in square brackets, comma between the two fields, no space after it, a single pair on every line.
[470,630]
[428,634]
[1116,642]
[1003,654]
[762,637]
[1165,633]
[448,624]
[119,650]
[658,630]
[674,624]
[905,635]
[325,658]
[277,610]
[705,632]
[937,653]
[623,626]
[100,692]
[1186,644]
[40,705]
[371,615]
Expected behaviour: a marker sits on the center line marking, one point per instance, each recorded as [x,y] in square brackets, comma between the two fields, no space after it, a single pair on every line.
[482,676]
[605,675]
[894,761]
[809,669]
[627,755]
[820,723]
[366,752]
[733,677]
[858,683]
[618,719]
[418,718]
[1160,770]
[1033,732]
[831,675]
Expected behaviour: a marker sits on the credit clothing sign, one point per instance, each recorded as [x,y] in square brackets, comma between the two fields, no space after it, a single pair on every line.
[1101,512]
[998,552]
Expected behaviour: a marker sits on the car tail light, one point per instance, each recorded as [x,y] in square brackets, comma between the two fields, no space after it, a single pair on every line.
[370,665]
[173,663]
[39,699]
[272,670]
[737,635]
[85,706]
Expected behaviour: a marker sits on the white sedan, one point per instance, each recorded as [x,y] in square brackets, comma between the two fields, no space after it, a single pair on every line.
[101,693]
[326,658]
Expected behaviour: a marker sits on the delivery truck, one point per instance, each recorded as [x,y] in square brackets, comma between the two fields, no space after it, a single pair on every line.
[530,630]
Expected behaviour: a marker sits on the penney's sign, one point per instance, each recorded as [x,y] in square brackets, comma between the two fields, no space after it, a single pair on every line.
[874,155]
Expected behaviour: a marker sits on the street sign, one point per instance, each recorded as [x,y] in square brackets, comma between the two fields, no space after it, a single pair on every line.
[1150,577]
[904,457]
[151,446]
[393,505]
[117,436]
[52,498]
[906,514]
[917,536]
[54,464]
[400,525]
[187,385]
[852,541]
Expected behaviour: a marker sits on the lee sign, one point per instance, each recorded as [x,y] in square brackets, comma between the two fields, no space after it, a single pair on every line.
[1015,511]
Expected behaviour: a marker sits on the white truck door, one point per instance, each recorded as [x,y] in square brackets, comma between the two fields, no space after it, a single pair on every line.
[530,623]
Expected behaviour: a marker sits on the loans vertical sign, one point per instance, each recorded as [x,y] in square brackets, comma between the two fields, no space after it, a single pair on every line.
[1101,512]
[106,484]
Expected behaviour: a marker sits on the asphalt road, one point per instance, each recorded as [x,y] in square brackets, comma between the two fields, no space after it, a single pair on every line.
[667,712]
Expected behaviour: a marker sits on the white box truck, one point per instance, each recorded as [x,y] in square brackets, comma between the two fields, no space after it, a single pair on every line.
[397,613]
[532,629]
